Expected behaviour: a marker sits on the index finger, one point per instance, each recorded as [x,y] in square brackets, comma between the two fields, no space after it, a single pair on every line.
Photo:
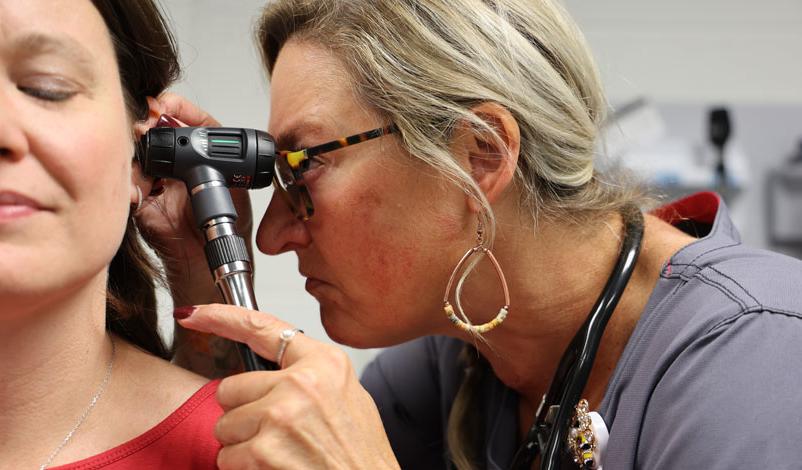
[184,110]
[260,331]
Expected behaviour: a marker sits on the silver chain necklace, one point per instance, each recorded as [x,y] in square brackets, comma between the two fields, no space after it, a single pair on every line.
[88,409]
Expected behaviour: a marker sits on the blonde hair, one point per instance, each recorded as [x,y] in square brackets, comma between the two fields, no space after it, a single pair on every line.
[424,64]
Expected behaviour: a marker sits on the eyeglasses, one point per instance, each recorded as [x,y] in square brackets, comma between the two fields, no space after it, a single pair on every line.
[291,165]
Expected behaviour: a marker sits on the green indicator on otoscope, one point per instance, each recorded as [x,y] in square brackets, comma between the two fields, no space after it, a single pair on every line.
[224,141]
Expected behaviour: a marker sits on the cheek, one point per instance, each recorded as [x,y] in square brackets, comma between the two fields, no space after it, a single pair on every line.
[93,167]
[395,242]
[385,252]
[101,171]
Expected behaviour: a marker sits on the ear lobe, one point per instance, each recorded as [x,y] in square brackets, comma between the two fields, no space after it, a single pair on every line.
[155,110]
[493,160]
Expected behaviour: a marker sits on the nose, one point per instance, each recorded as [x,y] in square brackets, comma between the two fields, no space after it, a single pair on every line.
[280,231]
[13,140]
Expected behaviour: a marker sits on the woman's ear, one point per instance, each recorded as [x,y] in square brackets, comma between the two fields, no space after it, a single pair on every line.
[141,185]
[155,110]
[492,159]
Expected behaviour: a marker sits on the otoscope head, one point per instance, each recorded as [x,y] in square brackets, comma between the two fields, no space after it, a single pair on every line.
[244,157]
[209,160]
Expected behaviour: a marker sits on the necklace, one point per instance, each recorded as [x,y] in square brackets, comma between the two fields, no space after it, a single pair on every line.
[95,398]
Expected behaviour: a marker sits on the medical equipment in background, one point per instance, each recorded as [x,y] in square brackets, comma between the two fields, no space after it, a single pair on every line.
[784,196]
[210,160]
[719,130]
[637,137]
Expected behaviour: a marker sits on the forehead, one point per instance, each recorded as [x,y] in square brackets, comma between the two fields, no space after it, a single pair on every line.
[309,90]
[52,26]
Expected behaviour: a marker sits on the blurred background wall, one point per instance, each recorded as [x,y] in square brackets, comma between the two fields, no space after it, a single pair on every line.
[678,58]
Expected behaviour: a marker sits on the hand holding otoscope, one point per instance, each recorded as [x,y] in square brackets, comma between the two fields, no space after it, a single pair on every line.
[210,160]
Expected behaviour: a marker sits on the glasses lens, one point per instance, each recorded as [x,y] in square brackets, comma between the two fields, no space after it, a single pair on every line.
[295,193]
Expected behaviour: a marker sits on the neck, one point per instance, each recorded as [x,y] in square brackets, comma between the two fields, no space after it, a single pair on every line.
[54,355]
[552,290]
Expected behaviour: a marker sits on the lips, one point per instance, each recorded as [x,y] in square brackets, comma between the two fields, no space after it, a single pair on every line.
[9,198]
[14,205]
[312,283]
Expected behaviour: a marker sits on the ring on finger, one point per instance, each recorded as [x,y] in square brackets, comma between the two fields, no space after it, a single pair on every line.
[285,337]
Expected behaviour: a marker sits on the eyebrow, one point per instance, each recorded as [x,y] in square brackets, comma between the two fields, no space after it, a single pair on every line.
[289,139]
[63,46]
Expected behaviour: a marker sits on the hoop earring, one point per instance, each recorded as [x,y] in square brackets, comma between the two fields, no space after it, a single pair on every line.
[138,199]
[449,309]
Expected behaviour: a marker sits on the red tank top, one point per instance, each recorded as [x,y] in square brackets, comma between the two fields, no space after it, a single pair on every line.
[183,441]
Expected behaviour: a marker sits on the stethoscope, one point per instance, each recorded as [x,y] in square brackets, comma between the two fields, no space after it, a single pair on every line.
[548,435]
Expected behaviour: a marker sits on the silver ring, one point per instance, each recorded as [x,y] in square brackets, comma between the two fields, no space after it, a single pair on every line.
[285,337]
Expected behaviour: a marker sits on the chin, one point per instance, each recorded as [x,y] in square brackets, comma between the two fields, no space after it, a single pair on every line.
[343,328]
[339,332]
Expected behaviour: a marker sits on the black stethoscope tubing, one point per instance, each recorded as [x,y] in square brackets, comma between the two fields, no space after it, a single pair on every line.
[576,363]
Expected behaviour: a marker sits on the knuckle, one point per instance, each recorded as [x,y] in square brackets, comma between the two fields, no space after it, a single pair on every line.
[337,358]
[259,453]
[224,390]
[275,416]
[257,321]
[224,459]
[220,429]
[304,379]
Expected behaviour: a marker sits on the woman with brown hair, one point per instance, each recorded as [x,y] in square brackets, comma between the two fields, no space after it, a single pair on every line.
[85,382]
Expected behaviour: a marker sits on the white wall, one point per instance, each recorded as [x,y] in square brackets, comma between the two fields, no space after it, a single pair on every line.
[741,51]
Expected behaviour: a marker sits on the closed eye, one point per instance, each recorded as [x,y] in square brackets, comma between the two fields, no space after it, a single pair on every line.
[45,94]
[315,162]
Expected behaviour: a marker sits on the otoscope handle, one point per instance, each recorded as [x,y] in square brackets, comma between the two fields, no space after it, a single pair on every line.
[231,268]
[226,251]
[235,281]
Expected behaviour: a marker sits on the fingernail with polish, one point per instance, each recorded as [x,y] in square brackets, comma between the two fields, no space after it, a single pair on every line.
[182,313]
[167,121]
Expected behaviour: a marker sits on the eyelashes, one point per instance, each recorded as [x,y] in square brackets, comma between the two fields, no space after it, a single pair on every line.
[48,94]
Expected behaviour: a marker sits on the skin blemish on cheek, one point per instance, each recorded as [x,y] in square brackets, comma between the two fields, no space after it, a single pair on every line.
[368,200]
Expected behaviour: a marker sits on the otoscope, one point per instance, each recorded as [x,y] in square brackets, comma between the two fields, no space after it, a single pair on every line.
[210,160]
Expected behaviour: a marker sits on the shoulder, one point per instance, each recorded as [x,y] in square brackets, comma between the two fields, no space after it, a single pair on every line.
[184,440]
[169,414]
[708,378]
[158,385]
[729,399]
[725,394]
[700,295]
[753,279]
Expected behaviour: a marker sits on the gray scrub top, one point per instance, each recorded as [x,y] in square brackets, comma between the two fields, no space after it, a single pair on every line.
[709,379]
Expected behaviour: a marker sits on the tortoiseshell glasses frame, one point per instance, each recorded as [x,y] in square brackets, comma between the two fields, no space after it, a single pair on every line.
[291,164]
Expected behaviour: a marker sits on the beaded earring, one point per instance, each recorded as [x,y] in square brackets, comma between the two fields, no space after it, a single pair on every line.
[465,325]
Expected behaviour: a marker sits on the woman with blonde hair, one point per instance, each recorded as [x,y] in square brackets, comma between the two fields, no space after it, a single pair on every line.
[464,224]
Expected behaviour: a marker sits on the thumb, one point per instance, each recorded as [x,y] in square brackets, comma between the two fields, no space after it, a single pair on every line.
[260,331]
